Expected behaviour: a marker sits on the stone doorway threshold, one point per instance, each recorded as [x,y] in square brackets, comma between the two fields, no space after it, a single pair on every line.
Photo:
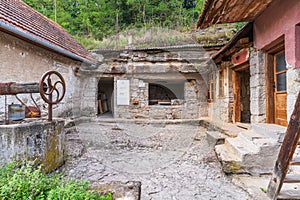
[246,126]
[107,115]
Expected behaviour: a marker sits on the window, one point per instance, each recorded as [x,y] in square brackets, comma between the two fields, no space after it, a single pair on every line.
[164,93]
[280,72]
[211,88]
[221,83]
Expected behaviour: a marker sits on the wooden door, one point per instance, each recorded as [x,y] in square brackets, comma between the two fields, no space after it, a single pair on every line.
[245,96]
[280,93]
[241,94]
[236,96]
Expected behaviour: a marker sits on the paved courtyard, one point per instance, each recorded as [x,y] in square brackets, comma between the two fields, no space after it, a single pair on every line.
[172,161]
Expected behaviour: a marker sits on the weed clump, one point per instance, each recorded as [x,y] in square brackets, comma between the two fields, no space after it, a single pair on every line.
[27,181]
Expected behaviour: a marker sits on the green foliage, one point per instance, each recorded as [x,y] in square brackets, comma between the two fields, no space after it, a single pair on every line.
[100,19]
[263,190]
[239,25]
[146,38]
[25,181]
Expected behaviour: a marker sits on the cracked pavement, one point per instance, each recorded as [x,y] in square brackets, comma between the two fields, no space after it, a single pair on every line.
[172,161]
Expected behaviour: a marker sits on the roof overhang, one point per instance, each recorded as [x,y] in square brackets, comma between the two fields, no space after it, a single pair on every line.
[229,11]
[242,39]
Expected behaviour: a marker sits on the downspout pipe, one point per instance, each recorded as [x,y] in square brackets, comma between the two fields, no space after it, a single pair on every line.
[44,43]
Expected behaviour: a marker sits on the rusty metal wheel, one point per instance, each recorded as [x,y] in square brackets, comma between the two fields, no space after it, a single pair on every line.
[52,87]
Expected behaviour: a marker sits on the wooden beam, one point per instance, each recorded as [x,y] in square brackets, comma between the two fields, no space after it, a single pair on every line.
[236,96]
[295,161]
[12,88]
[269,73]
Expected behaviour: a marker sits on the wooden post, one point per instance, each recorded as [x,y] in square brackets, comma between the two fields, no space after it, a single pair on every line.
[286,152]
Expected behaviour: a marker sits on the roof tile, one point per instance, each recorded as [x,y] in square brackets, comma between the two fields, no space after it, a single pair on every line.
[19,15]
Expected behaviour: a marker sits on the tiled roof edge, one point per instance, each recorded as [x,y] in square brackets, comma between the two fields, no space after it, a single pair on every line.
[44,43]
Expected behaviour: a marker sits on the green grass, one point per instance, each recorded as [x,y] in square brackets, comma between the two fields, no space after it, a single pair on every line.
[26,181]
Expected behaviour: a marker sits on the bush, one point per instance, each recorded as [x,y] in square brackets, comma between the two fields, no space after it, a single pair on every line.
[25,181]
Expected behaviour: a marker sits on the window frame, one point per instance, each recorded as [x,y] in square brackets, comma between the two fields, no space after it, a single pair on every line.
[211,87]
[279,72]
[163,101]
[221,81]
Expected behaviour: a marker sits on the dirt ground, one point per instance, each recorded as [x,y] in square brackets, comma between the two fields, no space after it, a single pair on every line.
[172,161]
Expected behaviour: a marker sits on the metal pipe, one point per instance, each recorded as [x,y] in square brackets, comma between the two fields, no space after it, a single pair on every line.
[43,43]
[5,113]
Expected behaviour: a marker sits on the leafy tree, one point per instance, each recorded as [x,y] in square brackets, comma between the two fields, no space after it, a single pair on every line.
[96,19]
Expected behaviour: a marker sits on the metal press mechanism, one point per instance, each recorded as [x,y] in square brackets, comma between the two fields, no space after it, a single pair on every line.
[52,88]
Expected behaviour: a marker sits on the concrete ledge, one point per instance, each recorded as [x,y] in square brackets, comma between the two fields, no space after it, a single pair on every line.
[35,140]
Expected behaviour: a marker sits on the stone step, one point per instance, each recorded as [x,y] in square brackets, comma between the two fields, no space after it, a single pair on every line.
[246,126]
[252,151]
[241,147]
[267,145]
[226,153]
[254,157]
[231,163]
[271,130]
[289,189]
[251,135]
[292,178]
[215,137]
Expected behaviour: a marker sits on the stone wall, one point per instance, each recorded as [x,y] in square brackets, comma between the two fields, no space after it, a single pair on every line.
[221,109]
[257,87]
[293,88]
[148,66]
[40,141]
[191,107]
[23,62]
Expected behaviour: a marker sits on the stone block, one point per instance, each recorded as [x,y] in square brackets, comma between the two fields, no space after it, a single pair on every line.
[215,137]
[255,118]
[130,190]
[257,93]
[38,140]
[257,62]
[257,80]
[258,107]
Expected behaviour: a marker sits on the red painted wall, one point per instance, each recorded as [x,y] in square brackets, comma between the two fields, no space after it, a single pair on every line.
[280,19]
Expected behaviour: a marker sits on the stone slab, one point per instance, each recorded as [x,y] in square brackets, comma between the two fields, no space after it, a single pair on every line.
[231,163]
[121,190]
[271,130]
[251,135]
[241,147]
[254,185]
[215,137]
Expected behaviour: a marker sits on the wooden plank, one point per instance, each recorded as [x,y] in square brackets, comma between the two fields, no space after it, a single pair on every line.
[100,107]
[286,152]
[240,57]
[280,109]
[292,178]
[269,71]
[296,160]
[236,96]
